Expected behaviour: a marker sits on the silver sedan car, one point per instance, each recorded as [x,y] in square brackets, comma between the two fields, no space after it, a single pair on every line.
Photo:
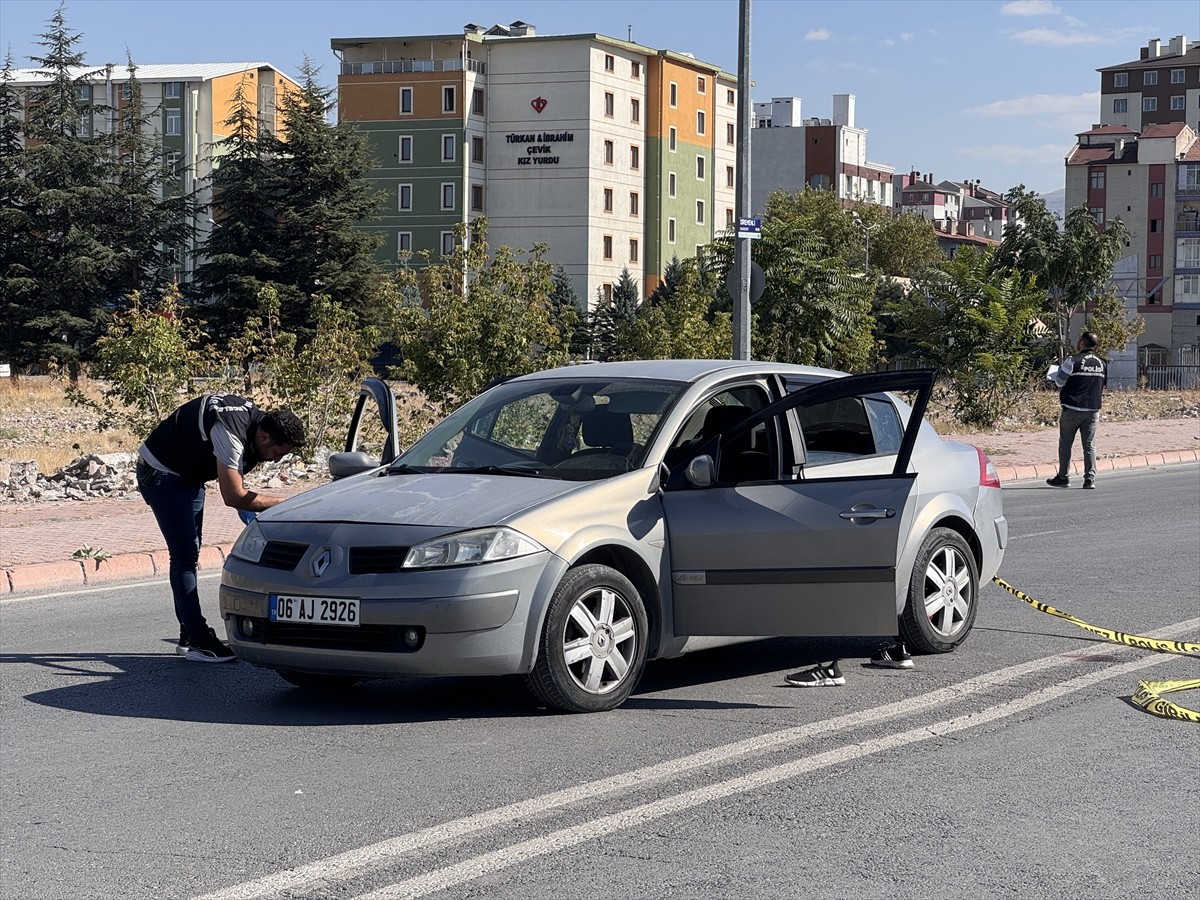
[569,525]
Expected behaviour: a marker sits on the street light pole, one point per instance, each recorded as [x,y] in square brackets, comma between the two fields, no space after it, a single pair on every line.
[741,306]
[866,230]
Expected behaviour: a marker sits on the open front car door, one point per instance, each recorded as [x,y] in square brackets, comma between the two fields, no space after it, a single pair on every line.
[799,553]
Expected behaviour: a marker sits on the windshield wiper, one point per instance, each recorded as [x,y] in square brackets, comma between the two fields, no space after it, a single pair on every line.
[403,470]
[503,470]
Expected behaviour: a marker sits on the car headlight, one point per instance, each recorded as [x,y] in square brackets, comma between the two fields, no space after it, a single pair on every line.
[250,543]
[484,545]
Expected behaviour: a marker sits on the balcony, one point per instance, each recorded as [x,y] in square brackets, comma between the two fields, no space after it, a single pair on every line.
[1187,221]
[400,66]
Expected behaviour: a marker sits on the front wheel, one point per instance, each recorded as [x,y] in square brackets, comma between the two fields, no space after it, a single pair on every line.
[943,594]
[593,644]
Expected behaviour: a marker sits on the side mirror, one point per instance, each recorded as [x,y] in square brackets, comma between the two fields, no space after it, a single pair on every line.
[353,462]
[701,472]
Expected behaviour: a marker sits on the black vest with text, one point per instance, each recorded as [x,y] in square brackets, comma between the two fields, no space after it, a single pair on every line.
[1085,384]
[181,441]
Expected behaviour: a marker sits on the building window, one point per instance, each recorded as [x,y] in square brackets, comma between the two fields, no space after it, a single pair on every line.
[1121,105]
[477,197]
[701,84]
[1177,76]
[635,110]
[635,202]
[729,133]
[173,90]
[1097,180]
[1120,79]
[635,69]
[1097,214]
[607,246]
[448,143]
[477,101]
[609,103]
[633,250]
[670,231]
[673,95]
[404,242]
[405,154]
[1189,176]
[447,195]
[174,121]
[1156,189]
[610,63]
[670,184]
[608,153]
[608,200]
[1149,104]
[477,149]
[1155,261]
[728,217]
[671,136]
[404,197]
[699,168]
[606,293]
[729,98]
[84,92]
[635,156]
[699,121]
[1178,102]
[729,176]
[174,164]
[1187,253]
[1156,226]
[449,98]
[447,243]
[126,91]
[1188,284]
[1150,77]
[699,212]
[406,101]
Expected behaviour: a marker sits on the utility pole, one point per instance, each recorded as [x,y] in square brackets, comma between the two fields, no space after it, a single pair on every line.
[741,306]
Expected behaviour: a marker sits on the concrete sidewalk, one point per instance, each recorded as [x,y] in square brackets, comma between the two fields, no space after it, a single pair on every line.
[72,544]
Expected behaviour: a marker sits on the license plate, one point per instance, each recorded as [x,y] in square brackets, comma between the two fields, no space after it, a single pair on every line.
[313,610]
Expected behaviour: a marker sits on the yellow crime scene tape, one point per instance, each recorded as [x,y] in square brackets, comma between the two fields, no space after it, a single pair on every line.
[1149,693]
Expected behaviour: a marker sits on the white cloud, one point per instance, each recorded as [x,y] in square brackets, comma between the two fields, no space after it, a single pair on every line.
[1025,154]
[818,34]
[906,36]
[1054,38]
[1040,104]
[1029,8]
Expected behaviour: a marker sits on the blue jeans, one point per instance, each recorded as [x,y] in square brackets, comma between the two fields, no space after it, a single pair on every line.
[1070,422]
[178,508]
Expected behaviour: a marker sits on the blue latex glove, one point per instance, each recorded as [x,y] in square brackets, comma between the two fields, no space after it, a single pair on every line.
[246,517]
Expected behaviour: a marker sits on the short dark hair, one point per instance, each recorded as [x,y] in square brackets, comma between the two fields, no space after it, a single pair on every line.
[283,426]
[1089,340]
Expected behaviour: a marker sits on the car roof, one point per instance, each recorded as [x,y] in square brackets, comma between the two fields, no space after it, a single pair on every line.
[687,370]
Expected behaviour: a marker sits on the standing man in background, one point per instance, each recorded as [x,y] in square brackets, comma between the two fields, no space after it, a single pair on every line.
[215,436]
[1081,379]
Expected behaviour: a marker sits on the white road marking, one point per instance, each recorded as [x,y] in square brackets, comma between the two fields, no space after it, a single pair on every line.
[487,863]
[353,863]
[115,586]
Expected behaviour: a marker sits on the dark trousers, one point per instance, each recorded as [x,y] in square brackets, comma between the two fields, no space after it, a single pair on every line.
[178,508]
[1083,422]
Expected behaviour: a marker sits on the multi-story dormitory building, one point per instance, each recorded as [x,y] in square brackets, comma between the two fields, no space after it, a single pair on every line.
[1141,164]
[614,154]
[189,103]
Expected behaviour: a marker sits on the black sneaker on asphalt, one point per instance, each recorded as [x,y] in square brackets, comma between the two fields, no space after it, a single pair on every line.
[893,656]
[1089,484]
[182,647]
[823,675]
[204,646]
[1058,481]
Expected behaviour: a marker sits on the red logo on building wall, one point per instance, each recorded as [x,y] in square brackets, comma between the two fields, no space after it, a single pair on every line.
[538,104]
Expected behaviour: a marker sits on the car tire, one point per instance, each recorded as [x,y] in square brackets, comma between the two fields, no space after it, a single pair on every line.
[593,645]
[317,683]
[943,594]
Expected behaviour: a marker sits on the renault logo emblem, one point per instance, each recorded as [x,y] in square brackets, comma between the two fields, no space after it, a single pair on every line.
[321,562]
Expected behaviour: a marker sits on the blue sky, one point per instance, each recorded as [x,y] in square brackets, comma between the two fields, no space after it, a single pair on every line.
[960,88]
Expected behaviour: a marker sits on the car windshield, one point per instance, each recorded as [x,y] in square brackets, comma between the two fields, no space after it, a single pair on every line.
[581,429]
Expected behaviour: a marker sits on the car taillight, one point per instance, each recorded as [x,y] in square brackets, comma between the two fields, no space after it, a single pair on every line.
[987,472]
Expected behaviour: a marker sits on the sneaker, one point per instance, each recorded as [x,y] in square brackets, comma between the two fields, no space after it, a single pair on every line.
[1058,481]
[893,656]
[203,646]
[182,647]
[1089,484]
[823,675]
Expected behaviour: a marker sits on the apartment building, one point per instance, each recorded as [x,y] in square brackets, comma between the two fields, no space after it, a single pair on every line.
[962,212]
[614,154]
[789,153]
[1141,164]
[189,104]
[1159,87]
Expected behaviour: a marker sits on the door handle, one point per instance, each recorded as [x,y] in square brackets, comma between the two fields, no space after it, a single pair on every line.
[871,513]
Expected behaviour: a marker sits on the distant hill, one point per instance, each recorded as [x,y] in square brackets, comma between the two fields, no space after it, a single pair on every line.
[1056,201]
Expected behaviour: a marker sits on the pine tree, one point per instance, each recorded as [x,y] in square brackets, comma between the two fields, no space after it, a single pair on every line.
[566,314]
[17,287]
[666,288]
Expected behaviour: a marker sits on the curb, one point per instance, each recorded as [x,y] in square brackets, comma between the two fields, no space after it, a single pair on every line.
[127,566]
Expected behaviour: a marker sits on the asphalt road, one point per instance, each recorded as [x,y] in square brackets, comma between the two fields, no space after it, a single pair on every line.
[1014,767]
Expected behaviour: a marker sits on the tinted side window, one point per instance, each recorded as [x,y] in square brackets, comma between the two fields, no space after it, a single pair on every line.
[885,425]
[836,430]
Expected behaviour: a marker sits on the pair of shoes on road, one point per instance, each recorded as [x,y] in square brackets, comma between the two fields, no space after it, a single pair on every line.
[203,646]
[893,656]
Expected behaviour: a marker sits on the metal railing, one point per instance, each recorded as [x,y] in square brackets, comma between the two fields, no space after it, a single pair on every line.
[399,66]
[1168,377]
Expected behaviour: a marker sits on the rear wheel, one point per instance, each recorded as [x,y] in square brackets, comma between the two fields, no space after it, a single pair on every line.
[943,594]
[312,681]
[593,644]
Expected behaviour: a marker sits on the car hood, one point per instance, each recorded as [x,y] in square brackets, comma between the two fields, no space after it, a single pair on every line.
[443,499]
